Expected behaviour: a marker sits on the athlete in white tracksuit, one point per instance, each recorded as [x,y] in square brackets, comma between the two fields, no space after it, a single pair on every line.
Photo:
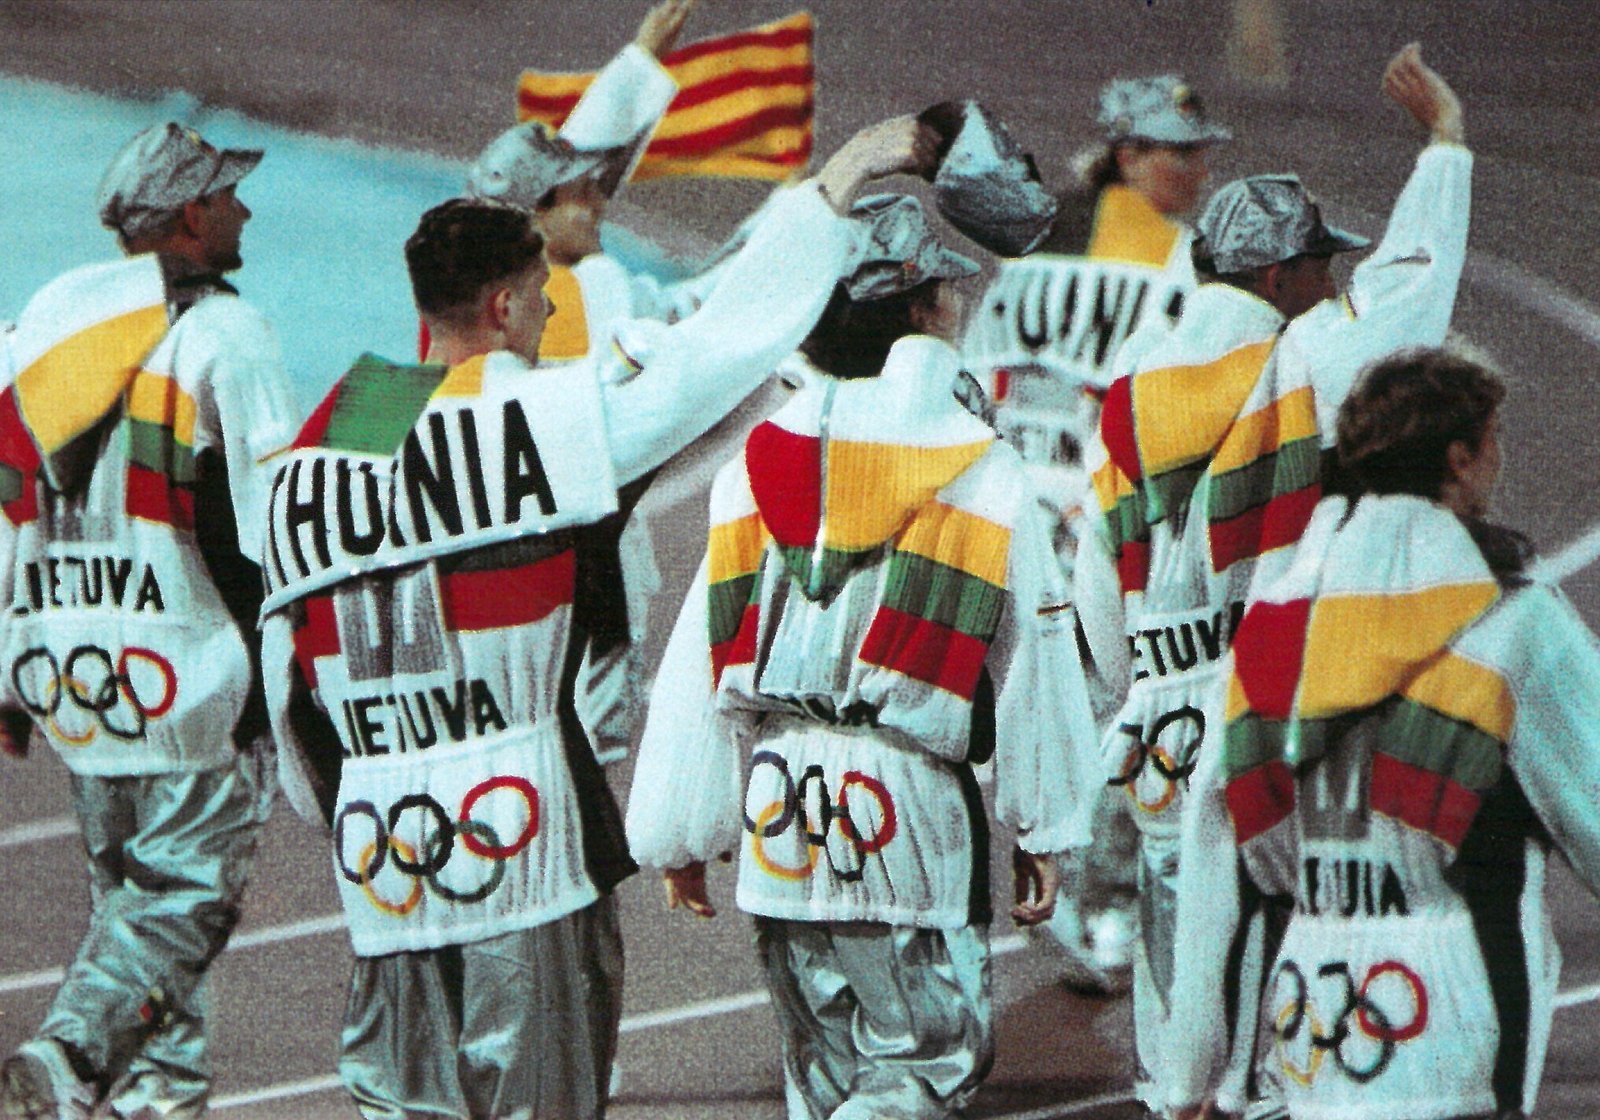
[1208,467]
[134,493]
[419,659]
[1410,727]
[877,610]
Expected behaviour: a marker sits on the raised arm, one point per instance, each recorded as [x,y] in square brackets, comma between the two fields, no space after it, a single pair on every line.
[1404,293]
[765,303]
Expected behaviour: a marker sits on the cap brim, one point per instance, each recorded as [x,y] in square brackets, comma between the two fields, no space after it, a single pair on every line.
[1334,240]
[236,164]
[951,265]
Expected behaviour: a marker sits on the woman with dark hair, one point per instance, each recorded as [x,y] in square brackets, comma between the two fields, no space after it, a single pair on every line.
[882,611]
[1411,722]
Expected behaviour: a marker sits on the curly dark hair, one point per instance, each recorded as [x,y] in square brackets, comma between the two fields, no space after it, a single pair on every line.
[462,246]
[1397,425]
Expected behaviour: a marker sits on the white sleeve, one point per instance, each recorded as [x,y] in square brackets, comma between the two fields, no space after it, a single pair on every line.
[1555,743]
[1208,920]
[626,98]
[288,700]
[684,805]
[765,304]
[1047,769]
[1400,296]
[1097,594]
[244,409]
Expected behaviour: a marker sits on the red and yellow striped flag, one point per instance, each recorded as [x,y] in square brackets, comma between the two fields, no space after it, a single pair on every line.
[743,108]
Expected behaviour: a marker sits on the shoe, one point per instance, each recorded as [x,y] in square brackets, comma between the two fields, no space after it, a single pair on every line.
[1090,967]
[39,1083]
[1111,934]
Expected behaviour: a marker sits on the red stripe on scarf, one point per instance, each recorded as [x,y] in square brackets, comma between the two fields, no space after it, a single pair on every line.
[786,478]
[1133,565]
[1116,428]
[1422,799]
[1260,530]
[21,454]
[1268,653]
[1260,798]
[925,651]
[154,497]
[739,649]
[319,637]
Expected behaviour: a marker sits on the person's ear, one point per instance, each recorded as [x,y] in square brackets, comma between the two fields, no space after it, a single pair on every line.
[1272,282]
[193,218]
[498,307]
[1458,458]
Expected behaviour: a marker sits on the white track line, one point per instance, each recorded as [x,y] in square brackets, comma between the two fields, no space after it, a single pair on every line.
[1570,559]
[50,828]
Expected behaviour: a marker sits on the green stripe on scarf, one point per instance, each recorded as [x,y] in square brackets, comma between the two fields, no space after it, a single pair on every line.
[1292,467]
[939,593]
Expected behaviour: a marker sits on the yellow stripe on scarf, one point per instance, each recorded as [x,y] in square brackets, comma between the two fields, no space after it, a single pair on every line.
[1182,412]
[464,380]
[1262,432]
[872,487]
[566,335]
[958,539]
[1467,692]
[67,389]
[1392,633]
[735,548]
[1128,228]
[156,399]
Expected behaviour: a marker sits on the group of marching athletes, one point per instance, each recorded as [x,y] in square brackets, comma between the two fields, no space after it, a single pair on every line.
[1206,587]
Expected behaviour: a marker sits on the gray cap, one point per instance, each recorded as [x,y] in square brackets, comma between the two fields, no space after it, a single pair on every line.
[899,249]
[987,186]
[527,161]
[1262,220]
[1162,110]
[160,171]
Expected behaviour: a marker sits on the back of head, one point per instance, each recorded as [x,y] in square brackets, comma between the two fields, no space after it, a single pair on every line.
[461,247]
[1396,427]
[902,265]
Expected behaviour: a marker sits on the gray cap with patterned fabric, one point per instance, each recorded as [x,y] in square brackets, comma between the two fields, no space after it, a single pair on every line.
[1262,220]
[161,170]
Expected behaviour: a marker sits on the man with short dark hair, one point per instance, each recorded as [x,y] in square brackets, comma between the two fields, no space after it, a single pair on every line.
[1410,723]
[1209,464]
[421,641]
[133,493]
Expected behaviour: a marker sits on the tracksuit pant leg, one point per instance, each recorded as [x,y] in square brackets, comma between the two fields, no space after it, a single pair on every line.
[169,855]
[878,1021]
[522,1026]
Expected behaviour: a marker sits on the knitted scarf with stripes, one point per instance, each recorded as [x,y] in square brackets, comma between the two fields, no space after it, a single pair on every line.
[1362,625]
[848,474]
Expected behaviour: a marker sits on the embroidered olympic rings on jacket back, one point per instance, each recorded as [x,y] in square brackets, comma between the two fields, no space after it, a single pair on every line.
[1357,1004]
[437,845]
[1172,767]
[94,683]
[778,815]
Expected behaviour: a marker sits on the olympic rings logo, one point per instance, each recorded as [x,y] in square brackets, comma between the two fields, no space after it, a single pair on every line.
[797,804]
[1172,767]
[1358,1004]
[100,692]
[437,844]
